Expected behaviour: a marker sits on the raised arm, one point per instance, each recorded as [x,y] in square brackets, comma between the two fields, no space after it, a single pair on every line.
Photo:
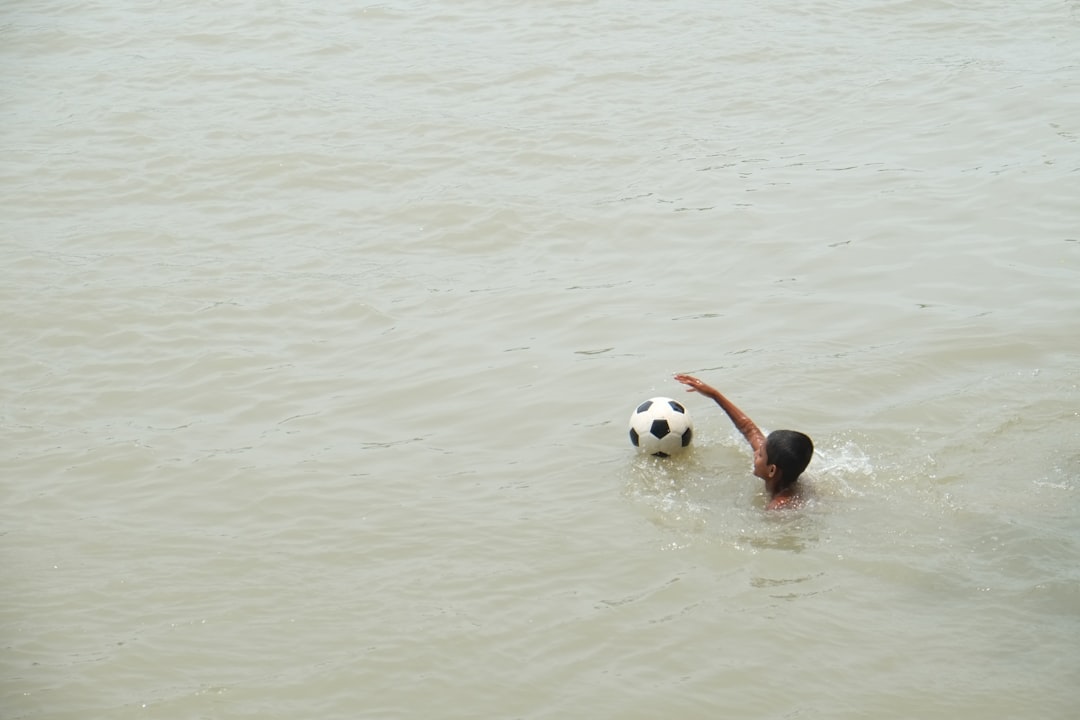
[740,419]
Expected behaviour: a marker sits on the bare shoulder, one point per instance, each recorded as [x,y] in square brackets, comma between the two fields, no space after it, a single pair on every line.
[786,502]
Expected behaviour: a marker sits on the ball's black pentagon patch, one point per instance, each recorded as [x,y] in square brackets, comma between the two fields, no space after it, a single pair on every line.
[633,437]
[677,407]
[687,436]
[644,406]
[660,428]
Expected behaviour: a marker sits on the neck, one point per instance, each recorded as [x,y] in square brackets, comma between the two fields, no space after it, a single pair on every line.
[776,488]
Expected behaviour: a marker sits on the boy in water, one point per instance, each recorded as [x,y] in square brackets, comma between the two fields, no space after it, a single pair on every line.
[779,459]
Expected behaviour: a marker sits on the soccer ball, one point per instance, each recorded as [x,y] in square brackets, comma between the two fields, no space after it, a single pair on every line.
[661,427]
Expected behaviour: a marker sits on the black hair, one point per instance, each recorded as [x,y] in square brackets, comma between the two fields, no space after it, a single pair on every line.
[790,451]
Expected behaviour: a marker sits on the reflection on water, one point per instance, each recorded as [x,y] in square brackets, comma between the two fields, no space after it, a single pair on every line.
[791,536]
[792,585]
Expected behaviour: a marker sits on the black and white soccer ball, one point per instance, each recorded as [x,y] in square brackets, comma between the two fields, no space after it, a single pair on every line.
[661,426]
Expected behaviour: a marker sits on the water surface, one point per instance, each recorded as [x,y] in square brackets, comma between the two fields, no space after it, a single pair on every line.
[322,327]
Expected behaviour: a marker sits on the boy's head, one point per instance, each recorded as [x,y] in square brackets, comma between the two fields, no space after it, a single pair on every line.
[789,451]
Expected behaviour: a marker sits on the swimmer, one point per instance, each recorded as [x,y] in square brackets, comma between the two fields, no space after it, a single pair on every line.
[779,459]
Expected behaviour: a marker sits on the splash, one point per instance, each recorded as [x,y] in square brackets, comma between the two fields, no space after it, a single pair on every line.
[842,468]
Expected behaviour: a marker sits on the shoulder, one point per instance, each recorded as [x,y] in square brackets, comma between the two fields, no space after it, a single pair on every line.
[784,502]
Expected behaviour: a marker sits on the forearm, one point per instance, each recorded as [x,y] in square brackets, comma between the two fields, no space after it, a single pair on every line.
[741,420]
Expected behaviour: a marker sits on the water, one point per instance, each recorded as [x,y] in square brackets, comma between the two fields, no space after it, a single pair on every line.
[322,325]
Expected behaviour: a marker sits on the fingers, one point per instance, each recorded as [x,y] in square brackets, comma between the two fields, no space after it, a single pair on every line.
[691,382]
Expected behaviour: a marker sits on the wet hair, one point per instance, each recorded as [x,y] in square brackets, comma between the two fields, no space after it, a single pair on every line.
[790,452]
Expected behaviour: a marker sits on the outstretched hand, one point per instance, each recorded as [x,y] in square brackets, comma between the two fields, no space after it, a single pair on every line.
[692,383]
